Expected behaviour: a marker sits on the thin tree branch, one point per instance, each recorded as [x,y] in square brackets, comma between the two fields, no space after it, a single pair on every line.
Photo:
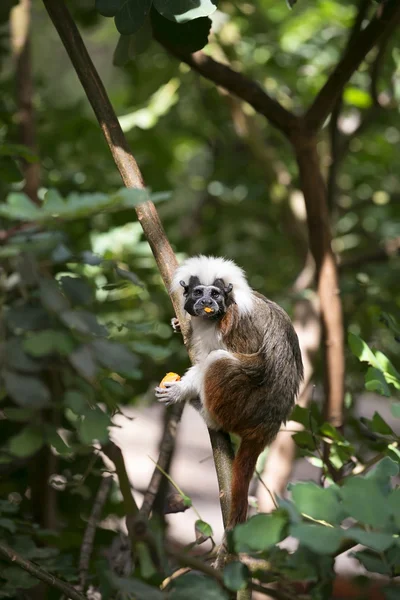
[385,19]
[123,158]
[166,449]
[239,85]
[40,573]
[90,531]
[115,455]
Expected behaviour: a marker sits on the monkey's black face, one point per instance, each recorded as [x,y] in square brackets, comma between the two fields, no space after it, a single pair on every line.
[206,301]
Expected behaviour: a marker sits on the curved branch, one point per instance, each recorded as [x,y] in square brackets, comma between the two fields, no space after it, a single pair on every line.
[241,86]
[385,20]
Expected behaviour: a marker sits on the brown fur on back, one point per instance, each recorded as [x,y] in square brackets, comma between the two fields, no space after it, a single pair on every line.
[257,390]
[253,392]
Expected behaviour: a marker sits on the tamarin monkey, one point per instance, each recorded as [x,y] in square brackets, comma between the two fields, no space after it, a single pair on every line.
[248,365]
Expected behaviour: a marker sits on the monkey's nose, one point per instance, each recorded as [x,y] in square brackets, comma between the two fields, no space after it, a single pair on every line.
[206,302]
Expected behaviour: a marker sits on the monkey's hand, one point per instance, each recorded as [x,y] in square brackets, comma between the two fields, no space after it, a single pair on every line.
[171,393]
[175,325]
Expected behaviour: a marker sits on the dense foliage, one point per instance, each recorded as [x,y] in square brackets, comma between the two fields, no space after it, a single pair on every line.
[84,322]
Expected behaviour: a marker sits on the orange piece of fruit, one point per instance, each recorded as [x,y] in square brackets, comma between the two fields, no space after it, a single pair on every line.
[169,377]
[208,309]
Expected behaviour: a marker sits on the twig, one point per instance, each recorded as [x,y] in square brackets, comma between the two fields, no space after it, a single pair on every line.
[385,19]
[40,573]
[166,449]
[90,531]
[260,479]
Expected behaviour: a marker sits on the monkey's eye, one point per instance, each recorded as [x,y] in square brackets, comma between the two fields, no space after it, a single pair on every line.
[215,294]
[197,293]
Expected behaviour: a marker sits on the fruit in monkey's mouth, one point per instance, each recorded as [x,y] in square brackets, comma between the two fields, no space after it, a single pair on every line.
[169,377]
[208,309]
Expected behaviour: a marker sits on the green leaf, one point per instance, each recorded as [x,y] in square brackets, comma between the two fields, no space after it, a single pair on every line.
[83,361]
[236,576]
[54,439]
[52,297]
[26,442]
[376,382]
[361,350]
[382,473]
[260,532]
[182,11]
[385,365]
[49,342]
[136,589]
[194,585]
[18,578]
[19,415]
[203,531]
[83,321]
[131,15]
[319,503]
[319,539]
[356,97]
[8,525]
[375,511]
[147,568]
[301,415]
[188,37]
[373,562]
[15,357]
[372,539]
[113,387]
[27,318]
[26,391]
[77,290]
[18,206]
[331,432]
[76,401]
[379,425]
[394,504]
[304,439]
[114,356]
[108,8]
[94,426]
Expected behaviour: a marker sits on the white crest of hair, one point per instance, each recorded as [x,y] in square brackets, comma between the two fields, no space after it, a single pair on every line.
[210,268]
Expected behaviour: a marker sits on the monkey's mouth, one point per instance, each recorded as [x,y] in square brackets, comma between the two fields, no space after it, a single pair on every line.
[206,311]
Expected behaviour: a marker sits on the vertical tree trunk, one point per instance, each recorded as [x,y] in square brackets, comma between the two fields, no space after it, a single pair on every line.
[21,46]
[315,195]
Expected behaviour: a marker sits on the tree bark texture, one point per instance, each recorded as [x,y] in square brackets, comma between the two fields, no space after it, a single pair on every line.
[20,23]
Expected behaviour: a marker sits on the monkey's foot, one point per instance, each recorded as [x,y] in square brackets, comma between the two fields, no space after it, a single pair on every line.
[175,325]
[170,393]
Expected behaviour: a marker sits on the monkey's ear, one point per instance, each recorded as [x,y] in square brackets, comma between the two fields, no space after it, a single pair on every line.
[185,287]
[228,288]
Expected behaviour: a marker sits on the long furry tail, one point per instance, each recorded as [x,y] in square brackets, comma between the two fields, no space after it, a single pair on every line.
[243,469]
